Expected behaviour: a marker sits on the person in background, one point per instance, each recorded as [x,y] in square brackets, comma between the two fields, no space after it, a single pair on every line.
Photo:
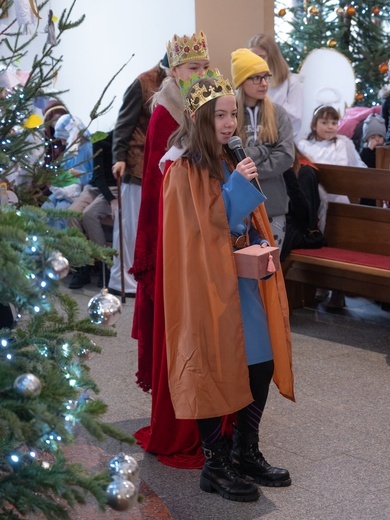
[266,132]
[127,154]
[54,147]
[374,134]
[323,145]
[285,87]
[176,443]
[75,165]
[305,206]
[208,202]
[97,201]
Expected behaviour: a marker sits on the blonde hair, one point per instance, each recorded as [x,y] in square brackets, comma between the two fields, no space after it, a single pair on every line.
[277,64]
[267,120]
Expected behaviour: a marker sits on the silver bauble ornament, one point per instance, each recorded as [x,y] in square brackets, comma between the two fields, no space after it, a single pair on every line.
[126,466]
[104,309]
[59,266]
[121,494]
[28,385]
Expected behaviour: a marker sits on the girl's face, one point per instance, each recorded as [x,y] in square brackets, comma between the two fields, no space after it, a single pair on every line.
[225,118]
[255,92]
[326,129]
[186,70]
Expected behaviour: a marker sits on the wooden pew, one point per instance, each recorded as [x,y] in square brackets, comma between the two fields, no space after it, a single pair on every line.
[357,257]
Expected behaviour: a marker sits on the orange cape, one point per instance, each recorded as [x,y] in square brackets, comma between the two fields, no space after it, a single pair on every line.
[207,368]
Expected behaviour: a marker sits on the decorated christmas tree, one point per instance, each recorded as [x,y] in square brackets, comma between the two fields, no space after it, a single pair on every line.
[46,392]
[359,30]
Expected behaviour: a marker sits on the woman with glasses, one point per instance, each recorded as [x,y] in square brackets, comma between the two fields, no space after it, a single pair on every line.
[266,132]
[286,88]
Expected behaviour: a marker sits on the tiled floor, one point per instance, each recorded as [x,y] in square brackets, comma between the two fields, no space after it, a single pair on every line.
[334,439]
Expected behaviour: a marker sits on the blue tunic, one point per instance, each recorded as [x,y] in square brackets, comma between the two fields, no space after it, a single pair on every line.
[241,198]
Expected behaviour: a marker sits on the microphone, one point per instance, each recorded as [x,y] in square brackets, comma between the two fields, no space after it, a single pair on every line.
[235,144]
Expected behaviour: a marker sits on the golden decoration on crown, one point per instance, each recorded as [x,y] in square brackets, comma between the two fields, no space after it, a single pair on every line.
[187,48]
[202,94]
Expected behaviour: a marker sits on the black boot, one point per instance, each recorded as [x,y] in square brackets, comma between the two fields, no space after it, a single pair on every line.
[80,278]
[219,475]
[248,460]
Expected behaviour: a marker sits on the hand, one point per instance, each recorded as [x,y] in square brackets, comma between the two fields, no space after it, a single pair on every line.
[374,141]
[118,169]
[247,168]
[114,207]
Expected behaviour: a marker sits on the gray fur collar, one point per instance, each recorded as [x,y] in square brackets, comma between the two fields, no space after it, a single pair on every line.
[170,98]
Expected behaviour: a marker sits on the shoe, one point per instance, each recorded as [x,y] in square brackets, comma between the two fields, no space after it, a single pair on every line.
[80,278]
[119,293]
[248,460]
[336,301]
[219,475]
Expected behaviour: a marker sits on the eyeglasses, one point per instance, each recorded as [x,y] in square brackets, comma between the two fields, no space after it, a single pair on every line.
[258,79]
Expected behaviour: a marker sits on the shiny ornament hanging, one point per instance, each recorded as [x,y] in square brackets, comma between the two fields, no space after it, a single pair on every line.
[350,10]
[282,12]
[28,385]
[124,465]
[383,68]
[121,494]
[332,43]
[59,266]
[104,309]
[313,10]
[359,96]
[339,11]
[376,10]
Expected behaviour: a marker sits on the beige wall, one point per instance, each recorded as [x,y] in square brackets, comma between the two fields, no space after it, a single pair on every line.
[229,24]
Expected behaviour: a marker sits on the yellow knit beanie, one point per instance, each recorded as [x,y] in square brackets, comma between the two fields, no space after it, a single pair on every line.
[245,64]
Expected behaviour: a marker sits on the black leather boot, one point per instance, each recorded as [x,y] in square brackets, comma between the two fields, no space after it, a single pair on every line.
[219,475]
[248,460]
[80,278]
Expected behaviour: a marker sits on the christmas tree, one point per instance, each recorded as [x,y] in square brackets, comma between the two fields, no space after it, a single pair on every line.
[359,30]
[46,392]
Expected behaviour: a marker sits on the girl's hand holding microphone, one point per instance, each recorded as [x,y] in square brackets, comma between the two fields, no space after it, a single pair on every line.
[247,168]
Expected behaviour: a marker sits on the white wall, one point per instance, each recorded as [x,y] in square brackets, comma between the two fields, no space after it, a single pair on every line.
[112,31]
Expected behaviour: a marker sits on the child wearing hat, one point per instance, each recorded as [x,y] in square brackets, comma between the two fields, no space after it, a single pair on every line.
[266,132]
[374,133]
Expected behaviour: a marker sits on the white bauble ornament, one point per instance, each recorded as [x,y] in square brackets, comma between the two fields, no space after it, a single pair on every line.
[121,494]
[126,466]
[59,266]
[28,385]
[104,309]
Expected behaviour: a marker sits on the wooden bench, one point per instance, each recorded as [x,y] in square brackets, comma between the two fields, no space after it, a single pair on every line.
[357,258]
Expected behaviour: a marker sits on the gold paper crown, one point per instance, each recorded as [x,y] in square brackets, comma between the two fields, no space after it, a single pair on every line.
[187,48]
[202,94]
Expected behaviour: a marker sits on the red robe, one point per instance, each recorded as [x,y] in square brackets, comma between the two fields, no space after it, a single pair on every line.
[161,126]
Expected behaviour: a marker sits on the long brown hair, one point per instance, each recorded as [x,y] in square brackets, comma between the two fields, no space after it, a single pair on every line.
[267,119]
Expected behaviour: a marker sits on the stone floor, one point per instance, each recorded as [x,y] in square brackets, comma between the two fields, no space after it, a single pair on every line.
[334,439]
